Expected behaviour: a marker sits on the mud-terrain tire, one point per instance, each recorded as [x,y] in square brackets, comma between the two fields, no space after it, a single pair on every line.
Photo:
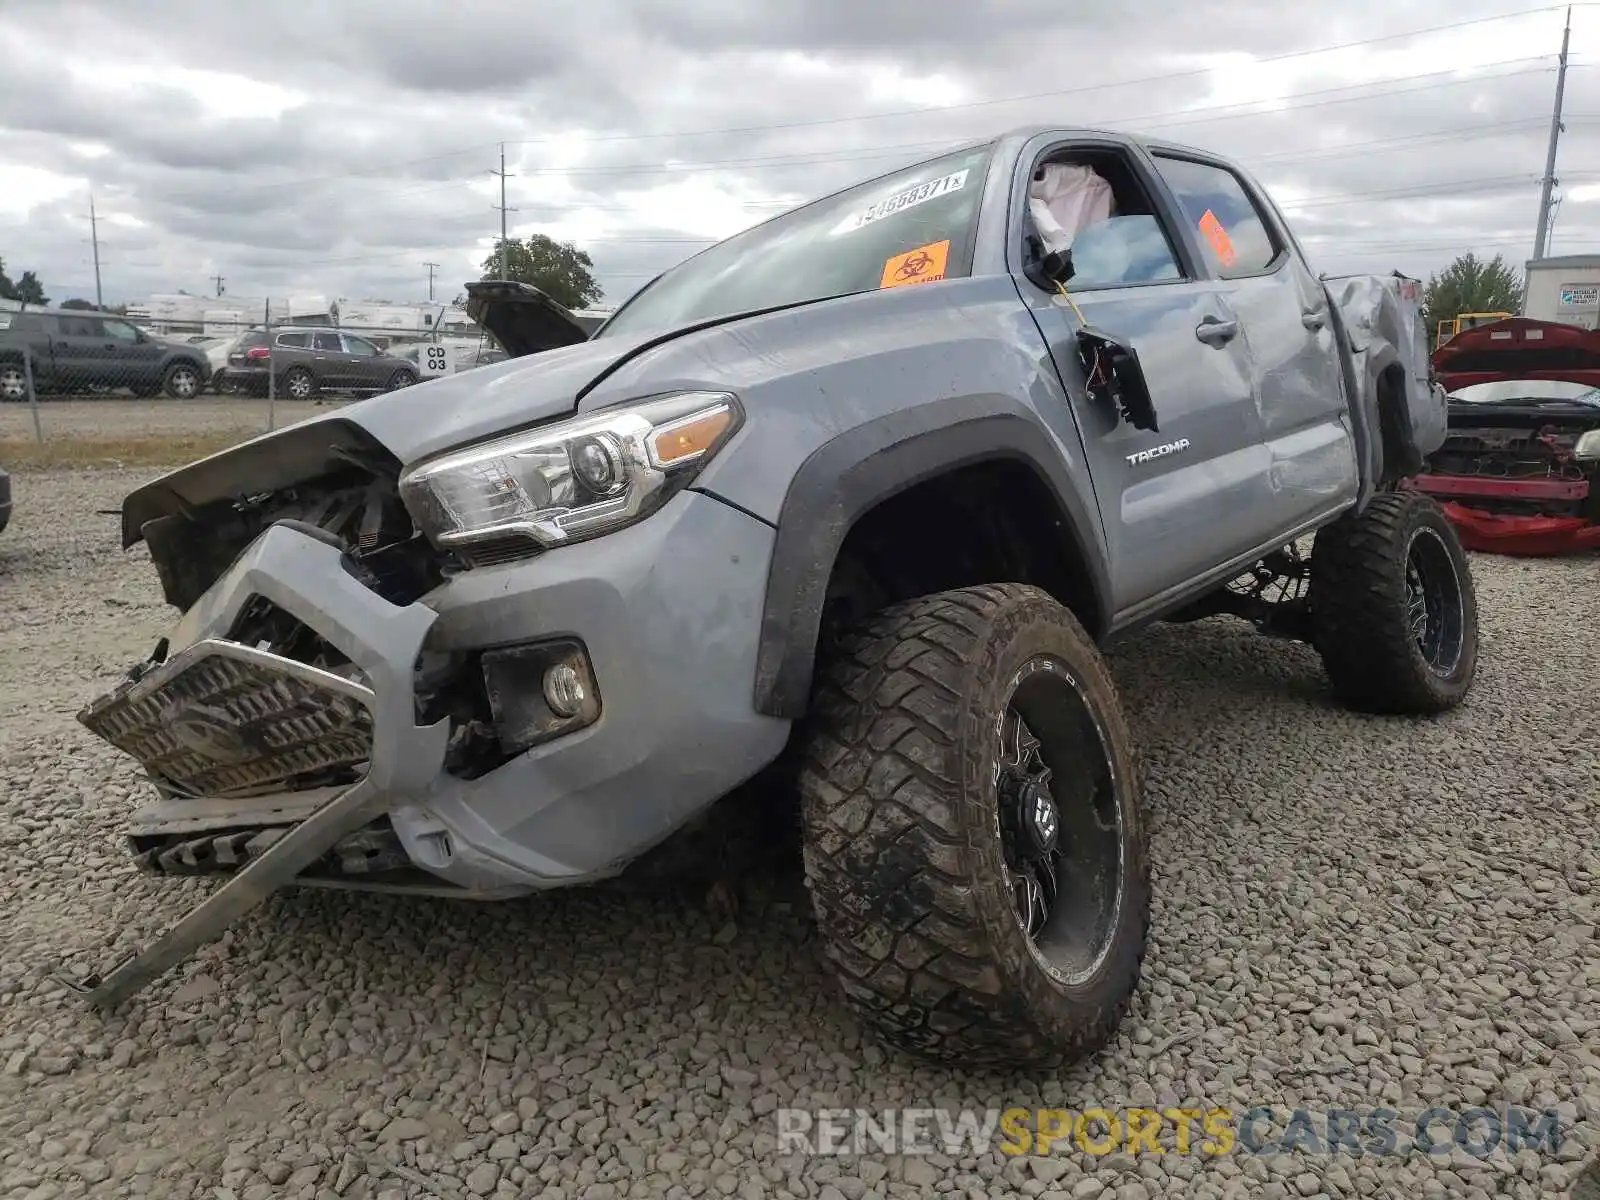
[903,798]
[1394,612]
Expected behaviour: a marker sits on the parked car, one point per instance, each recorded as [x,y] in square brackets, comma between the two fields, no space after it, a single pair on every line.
[856,494]
[1519,472]
[306,359]
[217,351]
[75,350]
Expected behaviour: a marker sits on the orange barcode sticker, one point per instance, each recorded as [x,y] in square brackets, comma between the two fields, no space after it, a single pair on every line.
[925,264]
[1219,239]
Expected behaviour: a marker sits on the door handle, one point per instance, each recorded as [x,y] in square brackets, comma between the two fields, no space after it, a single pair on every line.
[1215,332]
[1313,318]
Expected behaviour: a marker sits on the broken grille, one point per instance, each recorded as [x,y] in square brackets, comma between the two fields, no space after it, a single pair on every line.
[222,719]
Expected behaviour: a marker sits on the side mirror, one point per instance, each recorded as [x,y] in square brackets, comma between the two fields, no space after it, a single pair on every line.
[1111,368]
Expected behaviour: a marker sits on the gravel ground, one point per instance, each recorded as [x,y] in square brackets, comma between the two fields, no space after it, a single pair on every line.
[110,418]
[1349,913]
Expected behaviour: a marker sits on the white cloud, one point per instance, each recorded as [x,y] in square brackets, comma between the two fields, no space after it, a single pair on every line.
[218,141]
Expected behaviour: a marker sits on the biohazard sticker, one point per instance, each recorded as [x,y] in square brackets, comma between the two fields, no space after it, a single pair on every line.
[925,264]
[1219,239]
[910,197]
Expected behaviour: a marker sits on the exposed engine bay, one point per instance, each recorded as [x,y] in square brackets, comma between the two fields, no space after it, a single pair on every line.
[1519,470]
[358,510]
[1519,446]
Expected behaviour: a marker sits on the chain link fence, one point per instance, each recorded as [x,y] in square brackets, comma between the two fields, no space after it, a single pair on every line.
[106,377]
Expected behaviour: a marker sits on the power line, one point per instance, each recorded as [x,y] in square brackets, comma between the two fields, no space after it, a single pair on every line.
[1082,89]
[1183,117]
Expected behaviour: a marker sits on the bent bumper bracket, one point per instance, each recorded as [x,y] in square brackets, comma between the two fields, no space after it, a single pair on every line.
[293,853]
[306,577]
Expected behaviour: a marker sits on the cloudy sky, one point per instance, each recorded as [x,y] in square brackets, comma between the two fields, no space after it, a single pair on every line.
[336,148]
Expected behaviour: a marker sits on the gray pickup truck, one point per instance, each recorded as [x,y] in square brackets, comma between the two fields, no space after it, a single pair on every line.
[77,350]
[845,504]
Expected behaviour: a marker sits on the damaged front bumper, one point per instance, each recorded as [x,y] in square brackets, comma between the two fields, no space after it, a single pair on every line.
[304,575]
[671,638]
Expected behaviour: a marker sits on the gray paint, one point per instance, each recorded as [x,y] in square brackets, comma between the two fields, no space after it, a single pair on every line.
[669,611]
[1281,423]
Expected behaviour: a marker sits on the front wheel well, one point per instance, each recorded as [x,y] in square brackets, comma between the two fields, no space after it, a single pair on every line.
[989,522]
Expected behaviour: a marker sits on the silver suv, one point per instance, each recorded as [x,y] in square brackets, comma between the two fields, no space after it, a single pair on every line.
[305,360]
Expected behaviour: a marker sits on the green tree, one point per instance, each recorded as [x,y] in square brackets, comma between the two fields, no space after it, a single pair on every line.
[27,289]
[77,303]
[559,269]
[30,290]
[1471,285]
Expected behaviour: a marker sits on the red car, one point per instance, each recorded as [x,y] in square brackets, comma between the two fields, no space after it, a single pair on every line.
[1519,472]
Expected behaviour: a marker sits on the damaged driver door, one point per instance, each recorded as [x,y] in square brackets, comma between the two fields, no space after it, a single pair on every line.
[1177,472]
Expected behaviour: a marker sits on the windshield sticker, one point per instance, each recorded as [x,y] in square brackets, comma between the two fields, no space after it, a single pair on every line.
[925,264]
[910,197]
[1221,243]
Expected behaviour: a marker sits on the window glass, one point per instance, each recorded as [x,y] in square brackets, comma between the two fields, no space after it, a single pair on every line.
[120,331]
[1234,235]
[1120,251]
[909,227]
[85,327]
[294,340]
[328,342]
[355,345]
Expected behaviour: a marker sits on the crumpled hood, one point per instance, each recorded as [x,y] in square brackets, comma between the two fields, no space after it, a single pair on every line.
[410,424]
[1519,348]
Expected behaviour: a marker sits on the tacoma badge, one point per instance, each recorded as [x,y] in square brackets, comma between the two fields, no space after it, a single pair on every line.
[1144,456]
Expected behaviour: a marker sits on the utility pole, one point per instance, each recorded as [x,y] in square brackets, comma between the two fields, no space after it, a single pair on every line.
[1542,233]
[502,207]
[432,267]
[219,281]
[94,237]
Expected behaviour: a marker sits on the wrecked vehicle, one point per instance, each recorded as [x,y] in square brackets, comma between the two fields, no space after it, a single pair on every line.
[850,500]
[1519,472]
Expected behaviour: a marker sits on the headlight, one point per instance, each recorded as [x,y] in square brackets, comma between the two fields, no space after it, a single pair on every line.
[1588,447]
[569,480]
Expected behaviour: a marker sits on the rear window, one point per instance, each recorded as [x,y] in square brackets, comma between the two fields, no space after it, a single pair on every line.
[909,227]
[250,341]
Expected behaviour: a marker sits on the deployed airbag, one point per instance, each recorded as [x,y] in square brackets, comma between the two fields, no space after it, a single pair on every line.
[1064,200]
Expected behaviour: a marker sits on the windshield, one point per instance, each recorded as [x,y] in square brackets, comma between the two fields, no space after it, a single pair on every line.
[1502,391]
[911,226]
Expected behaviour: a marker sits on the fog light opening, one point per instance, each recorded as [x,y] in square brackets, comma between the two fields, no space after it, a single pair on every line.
[564,691]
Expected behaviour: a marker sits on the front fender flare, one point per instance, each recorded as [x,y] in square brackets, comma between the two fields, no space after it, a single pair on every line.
[848,475]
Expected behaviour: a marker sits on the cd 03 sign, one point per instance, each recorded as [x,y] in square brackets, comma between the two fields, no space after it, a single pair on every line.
[436,360]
